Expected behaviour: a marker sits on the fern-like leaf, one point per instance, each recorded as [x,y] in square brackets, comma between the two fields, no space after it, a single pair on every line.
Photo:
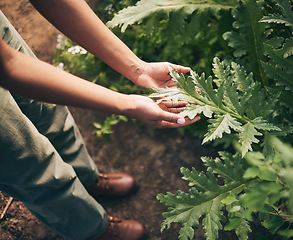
[233,101]
[286,18]
[276,18]
[248,36]
[146,8]
[221,124]
[247,137]
[281,72]
[204,199]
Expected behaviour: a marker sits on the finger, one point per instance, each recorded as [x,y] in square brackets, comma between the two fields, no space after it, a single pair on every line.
[179,68]
[175,110]
[166,124]
[180,104]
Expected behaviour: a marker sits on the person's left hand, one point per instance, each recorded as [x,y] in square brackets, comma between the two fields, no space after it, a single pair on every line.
[157,75]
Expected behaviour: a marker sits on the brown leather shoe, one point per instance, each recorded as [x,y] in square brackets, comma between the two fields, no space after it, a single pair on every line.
[120,229]
[113,185]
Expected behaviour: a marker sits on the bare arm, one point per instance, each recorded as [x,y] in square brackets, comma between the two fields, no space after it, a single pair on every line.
[78,22]
[35,79]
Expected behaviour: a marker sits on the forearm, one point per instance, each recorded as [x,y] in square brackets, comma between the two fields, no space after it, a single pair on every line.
[82,25]
[38,80]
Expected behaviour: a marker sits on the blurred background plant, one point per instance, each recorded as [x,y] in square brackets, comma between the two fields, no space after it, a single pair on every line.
[105,129]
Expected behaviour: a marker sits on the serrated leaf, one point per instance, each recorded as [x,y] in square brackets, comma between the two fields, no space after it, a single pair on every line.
[276,18]
[240,76]
[236,221]
[249,35]
[232,99]
[286,11]
[202,181]
[186,232]
[146,8]
[229,167]
[211,223]
[278,75]
[204,199]
[193,110]
[206,88]
[221,124]
[243,230]
[262,124]
[278,55]
[173,94]
[247,137]
[220,71]
[273,223]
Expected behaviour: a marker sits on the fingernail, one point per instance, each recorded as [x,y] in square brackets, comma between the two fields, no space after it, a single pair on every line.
[180,121]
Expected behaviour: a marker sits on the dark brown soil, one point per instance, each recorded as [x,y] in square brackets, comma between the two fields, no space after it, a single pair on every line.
[153,156]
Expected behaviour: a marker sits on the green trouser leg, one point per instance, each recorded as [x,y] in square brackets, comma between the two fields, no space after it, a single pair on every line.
[43,160]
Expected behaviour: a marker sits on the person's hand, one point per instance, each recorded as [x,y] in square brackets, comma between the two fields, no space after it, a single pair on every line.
[157,75]
[163,115]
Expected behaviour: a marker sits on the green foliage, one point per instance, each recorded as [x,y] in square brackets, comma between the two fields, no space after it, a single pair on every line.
[79,62]
[251,98]
[205,197]
[286,16]
[233,99]
[5,222]
[248,37]
[246,100]
[173,30]
[280,50]
[157,9]
[105,129]
[249,186]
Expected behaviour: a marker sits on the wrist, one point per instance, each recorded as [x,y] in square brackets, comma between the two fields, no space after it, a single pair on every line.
[136,69]
[127,105]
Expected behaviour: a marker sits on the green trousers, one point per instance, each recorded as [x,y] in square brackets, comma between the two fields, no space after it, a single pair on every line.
[43,160]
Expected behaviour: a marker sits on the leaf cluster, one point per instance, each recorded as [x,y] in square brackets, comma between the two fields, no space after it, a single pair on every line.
[159,9]
[247,94]
[243,187]
[251,98]
[233,100]
[174,28]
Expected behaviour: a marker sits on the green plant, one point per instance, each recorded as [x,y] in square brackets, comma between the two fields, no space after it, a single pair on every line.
[250,98]
[5,222]
[105,129]
[172,29]
[249,187]
[76,60]
[246,176]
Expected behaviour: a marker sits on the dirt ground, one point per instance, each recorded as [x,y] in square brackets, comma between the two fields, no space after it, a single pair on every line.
[153,156]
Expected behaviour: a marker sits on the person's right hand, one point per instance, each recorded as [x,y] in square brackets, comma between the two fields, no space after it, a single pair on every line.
[163,115]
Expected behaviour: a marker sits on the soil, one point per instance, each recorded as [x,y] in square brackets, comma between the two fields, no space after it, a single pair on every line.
[153,156]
